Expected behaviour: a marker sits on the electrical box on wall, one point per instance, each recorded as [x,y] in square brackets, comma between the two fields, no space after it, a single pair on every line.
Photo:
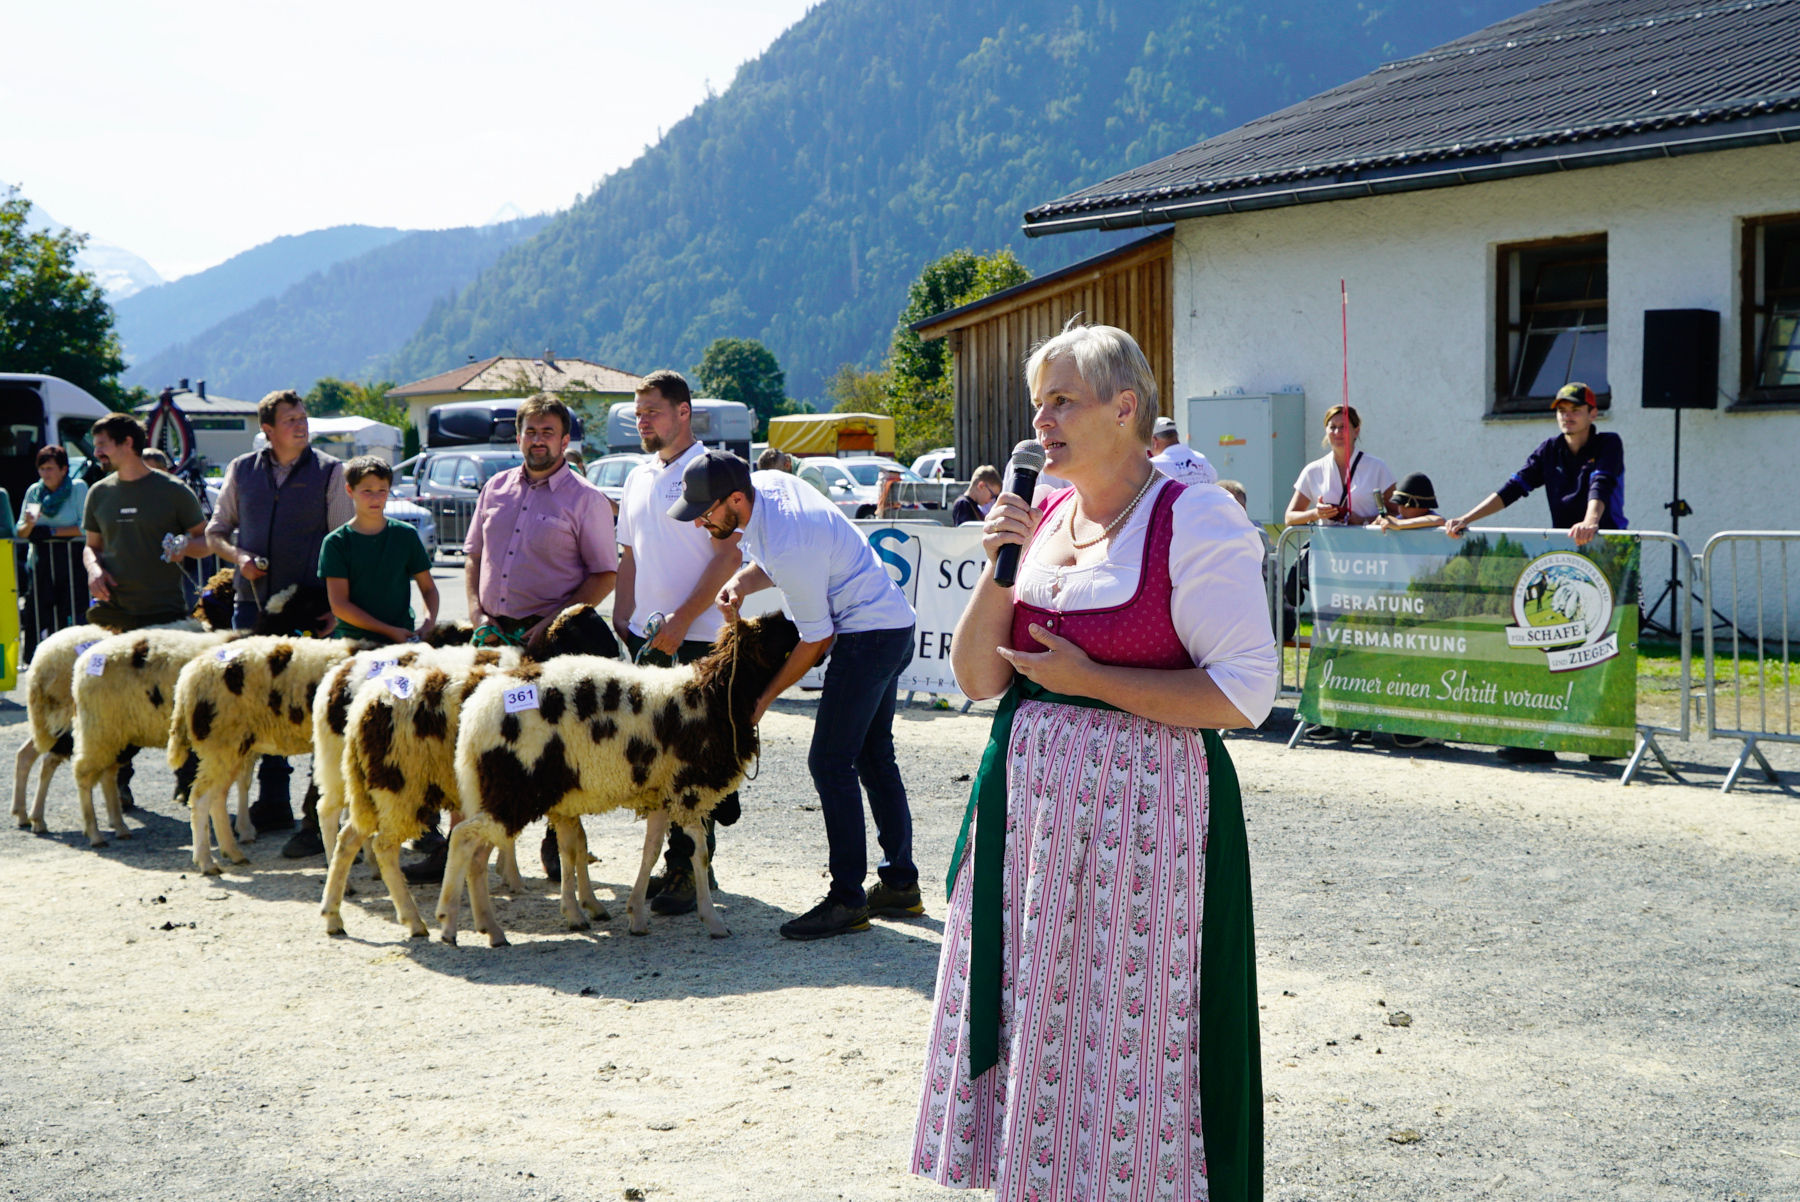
[1259,441]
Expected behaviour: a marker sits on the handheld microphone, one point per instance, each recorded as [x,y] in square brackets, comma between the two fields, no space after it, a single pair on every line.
[1021,480]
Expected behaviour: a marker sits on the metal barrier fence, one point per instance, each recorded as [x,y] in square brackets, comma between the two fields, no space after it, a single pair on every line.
[1755,626]
[53,595]
[1285,619]
[452,516]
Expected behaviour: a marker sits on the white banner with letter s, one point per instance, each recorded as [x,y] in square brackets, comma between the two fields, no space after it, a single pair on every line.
[936,567]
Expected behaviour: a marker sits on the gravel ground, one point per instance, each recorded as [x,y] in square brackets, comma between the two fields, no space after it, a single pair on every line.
[1478,981]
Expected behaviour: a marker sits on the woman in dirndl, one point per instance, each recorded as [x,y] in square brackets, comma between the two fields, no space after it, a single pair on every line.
[1094,1034]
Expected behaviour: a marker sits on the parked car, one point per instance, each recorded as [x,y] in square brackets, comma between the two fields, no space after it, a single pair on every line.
[456,471]
[446,482]
[852,484]
[936,465]
[609,471]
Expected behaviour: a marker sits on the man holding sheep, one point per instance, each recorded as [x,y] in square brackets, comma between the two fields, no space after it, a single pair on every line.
[843,601]
[275,508]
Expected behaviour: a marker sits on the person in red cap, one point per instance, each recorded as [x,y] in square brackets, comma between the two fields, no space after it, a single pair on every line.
[1581,472]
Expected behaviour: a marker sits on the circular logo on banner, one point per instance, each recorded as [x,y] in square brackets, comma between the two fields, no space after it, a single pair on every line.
[1562,599]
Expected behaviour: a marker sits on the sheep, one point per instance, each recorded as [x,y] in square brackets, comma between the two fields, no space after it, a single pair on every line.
[124,685]
[253,697]
[332,703]
[50,698]
[398,762]
[1579,601]
[583,735]
[122,688]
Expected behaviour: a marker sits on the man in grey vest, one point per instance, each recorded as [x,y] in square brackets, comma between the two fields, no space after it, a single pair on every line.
[276,507]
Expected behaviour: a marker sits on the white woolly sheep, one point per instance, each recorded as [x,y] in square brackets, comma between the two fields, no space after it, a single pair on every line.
[399,754]
[251,697]
[583,735]
[123,687]
[332,703]
[50,695]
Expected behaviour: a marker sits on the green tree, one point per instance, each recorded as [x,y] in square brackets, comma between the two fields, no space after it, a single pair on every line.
[54,318]
[743,369]
[920,390]
[958,278]
[853,391]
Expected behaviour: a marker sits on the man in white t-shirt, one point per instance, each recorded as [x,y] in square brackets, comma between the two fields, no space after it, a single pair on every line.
[843,601]
[1175,459]
[674,569]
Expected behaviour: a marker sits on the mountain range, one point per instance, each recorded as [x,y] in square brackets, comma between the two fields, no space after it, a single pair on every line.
[798,204]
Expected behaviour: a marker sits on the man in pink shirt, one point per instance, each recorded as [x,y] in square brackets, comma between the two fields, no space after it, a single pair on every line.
[541,540]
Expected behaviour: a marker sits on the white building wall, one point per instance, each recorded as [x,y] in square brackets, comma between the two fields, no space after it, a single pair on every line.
[1257,310]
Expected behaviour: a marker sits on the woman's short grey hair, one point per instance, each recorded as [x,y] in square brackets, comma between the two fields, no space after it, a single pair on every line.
[1111,362]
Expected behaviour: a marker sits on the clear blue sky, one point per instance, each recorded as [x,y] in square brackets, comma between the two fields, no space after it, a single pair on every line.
[189,130]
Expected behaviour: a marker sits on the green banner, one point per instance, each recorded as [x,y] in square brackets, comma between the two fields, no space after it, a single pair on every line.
[1496,638]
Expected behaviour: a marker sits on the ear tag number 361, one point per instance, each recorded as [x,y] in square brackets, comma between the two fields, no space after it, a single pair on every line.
[522,698]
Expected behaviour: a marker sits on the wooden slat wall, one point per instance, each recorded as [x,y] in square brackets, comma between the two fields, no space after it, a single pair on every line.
[993,406]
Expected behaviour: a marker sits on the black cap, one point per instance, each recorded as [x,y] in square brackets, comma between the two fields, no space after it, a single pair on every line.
[708,480]
[1416,491]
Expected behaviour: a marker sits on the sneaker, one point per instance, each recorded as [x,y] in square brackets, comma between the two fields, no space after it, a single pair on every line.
[1326,734]
[551,855]
[430,841]
[885,901]
[1414,742]
[306,842]
[126,800]
[677,894]
[830,917]
[430,870]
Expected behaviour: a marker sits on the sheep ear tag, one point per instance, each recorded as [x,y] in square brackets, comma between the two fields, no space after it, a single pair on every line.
[400,686]
[522,698]
[96,665]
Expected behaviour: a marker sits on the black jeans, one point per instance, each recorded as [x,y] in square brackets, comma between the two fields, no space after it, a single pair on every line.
[679,857]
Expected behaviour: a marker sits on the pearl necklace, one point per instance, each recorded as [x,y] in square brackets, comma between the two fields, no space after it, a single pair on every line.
[1112,525]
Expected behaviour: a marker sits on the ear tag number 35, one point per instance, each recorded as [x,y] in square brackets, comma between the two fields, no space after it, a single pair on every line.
[522,698]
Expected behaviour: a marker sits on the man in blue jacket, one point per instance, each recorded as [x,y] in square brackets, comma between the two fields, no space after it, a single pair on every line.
[1582,474]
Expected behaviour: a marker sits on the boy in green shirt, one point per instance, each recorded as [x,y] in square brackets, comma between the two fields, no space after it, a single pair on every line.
[368,561]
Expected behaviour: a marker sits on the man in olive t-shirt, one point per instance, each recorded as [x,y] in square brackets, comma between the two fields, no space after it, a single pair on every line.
[129,513]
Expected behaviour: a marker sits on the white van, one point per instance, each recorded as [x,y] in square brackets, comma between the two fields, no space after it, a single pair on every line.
[719,425]
[35,411]
[347,437]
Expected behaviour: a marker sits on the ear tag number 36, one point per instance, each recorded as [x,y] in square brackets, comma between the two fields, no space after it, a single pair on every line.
[522,698]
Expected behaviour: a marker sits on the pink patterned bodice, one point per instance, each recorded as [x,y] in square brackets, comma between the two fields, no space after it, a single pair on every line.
[1138,634]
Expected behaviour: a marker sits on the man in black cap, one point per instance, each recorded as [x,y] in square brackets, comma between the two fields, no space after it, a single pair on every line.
[843,601]
[1581,472]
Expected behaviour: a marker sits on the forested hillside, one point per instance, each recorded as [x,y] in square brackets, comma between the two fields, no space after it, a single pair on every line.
[159,317]
[875,135]
[344,321]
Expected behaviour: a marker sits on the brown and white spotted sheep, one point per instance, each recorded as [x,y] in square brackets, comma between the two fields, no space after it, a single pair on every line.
[124,692]
[50,693]
[398,767]
[250,698]
[583,736]
[332,703]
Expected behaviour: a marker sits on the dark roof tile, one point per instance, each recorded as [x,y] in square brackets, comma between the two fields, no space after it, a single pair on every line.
[1574,72]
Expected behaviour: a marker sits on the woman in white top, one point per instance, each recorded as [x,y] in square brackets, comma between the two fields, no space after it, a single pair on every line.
[1095,1032]
[1343,472]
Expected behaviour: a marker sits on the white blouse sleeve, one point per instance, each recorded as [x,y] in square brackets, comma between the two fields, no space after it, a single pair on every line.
[1220,606]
